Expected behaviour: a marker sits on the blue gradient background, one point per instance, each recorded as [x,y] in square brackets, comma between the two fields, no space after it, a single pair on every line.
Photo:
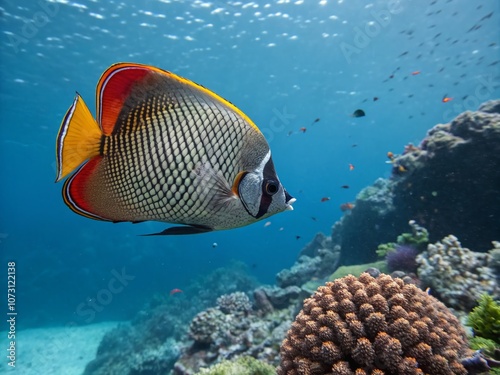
[285,57]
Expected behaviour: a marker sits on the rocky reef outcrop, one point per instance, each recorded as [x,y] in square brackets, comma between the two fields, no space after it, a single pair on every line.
[450,183]
[219,334]
[154,340]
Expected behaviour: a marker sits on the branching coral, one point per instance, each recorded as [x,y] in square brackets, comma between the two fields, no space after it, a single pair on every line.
[366,325]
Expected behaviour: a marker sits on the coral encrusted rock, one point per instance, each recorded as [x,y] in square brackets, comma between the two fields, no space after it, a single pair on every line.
[366,325]
[237,302]
[457,275]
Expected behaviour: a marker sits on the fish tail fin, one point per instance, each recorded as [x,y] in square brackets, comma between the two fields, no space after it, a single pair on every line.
[78,140]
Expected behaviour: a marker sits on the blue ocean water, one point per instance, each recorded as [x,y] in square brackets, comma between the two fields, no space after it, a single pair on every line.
[284,63]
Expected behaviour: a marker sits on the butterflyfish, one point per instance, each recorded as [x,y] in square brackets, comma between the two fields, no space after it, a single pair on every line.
[164,148]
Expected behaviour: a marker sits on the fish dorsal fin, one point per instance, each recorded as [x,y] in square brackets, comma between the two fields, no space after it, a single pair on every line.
[112,91]
[119,80]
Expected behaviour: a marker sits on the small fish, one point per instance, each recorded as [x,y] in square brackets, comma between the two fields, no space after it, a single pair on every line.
[375,98]
[325,199]
[402,169]
[486,17]
[358,113]
[416,72]
[390,155]
[167,149]
[313,218]
[446,99]
[346,206]
[175,291]
[266,224]
[214,245]
[297,237]
[303,130]
[315,121]
[345,186]
[351,167]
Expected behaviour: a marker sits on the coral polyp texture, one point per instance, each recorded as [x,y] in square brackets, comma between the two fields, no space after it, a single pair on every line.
[367,325]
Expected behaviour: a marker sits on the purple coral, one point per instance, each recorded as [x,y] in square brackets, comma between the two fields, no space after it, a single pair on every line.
[402,259]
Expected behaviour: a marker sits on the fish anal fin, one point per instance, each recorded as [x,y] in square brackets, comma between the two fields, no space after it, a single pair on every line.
[79,138]
[75,190]
[182,230]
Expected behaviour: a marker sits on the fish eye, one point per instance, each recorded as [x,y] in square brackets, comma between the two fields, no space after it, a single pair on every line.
[271,187]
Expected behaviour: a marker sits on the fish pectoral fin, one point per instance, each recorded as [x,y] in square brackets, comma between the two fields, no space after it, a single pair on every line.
[181,230]
[211,185]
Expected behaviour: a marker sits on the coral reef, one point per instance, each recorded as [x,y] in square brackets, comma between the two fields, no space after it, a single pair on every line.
[233,334]
[372,325]
[455,274]
[403,258]
[450,185]
[234,303]
[418,239]
[317,259]
[154,340]
[241,366]
[280,298]
[495,256]
[357,270]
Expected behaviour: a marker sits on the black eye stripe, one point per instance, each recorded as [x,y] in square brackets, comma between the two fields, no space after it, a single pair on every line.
[266,199]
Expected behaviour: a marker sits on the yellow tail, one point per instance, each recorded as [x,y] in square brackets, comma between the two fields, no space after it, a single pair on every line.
[78,140]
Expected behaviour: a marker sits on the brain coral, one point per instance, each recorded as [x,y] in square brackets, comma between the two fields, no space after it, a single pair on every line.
[378,326]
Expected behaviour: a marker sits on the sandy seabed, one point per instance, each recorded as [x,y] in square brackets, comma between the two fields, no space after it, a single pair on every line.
[54,350]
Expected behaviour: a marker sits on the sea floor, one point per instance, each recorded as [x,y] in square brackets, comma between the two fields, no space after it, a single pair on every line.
[54,350]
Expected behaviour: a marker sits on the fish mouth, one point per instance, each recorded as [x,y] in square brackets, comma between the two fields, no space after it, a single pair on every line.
[289,201]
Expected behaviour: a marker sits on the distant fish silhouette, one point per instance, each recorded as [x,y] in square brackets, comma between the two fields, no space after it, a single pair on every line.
[358,113]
